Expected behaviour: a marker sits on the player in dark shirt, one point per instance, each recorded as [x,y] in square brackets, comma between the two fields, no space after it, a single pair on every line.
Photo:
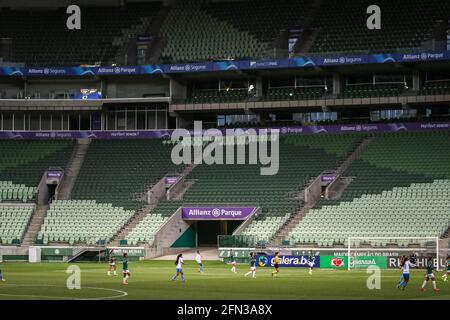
[429,276]
[252,265]
[126,271]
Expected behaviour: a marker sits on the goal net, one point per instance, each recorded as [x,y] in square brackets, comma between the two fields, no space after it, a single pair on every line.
[365,251]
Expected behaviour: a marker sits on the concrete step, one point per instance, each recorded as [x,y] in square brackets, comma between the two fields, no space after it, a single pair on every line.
[35,225]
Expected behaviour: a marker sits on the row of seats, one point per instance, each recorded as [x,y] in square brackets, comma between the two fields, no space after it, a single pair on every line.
[341,26]
[399,187]
[373,90]
[13,223]
[44,39]
[145,230]
[241,185]
[385,215]
[15,192]
[82,221]
[25,161]
[191,34]
[265,229]
[117,171]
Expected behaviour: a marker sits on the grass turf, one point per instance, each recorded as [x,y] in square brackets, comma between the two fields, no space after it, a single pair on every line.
[151,280]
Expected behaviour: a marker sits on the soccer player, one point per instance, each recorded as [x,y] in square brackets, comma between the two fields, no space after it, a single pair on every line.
[179,268]
[445,276]
[233,262]
[276,264]
[405,265]
[112,266]
[1,276]
[311,261]
[198,259]
[429,276]
[252,266]
[126,272]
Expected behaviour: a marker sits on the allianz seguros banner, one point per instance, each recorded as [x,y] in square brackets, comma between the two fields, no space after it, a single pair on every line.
[286,261]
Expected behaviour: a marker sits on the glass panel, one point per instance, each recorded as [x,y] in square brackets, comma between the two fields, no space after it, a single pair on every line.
[151,117]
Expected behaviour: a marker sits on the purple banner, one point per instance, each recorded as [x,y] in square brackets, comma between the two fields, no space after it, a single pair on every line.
[328,177]
[218,213]
[171,180]
[156,134]
[54,174]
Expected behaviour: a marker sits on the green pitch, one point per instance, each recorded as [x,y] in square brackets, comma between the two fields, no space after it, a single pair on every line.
[151,280]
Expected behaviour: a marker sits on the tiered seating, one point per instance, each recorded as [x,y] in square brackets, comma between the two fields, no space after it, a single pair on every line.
[243,185]
[13,222]
[402,176]
[82,221]
[342,25]
[438,87]
[24,162]
[301,93]
[240,185]
[264,229]
[114,171]
[213,96]
[421,210]
[194,35]
[373,91]
[267,18]
[145,231]
[44,39]
[15,192]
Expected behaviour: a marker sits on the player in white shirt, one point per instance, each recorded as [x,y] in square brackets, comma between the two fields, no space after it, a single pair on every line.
[405,265]
[198,259]
[179,268]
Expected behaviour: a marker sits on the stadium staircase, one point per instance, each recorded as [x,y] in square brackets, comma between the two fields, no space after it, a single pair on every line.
[132,223]
[35,225]
[73,169]
[134,229]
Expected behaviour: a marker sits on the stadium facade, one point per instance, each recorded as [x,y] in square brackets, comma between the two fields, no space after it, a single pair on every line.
[86,116]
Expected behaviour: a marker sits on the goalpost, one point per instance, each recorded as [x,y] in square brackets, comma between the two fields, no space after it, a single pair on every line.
[420,246]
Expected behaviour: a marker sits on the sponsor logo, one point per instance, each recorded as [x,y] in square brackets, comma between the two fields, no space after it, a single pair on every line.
[216,213]
[263,261]
[337,262]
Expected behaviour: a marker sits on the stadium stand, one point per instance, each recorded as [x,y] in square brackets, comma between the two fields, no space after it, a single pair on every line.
[435,87]
[13,222]
[113,176]
[10,191]
[82,221]
[342,26]
[24,162]
[215,96]
[45,41]
[265,21]
[115,171]
[240,185]
[400,184]
[145,231]
[300,93]
[192,35]
[373,90]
